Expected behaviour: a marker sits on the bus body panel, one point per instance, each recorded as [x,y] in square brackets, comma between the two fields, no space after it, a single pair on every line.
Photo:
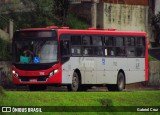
[31,77]
[98,71]
[93,70]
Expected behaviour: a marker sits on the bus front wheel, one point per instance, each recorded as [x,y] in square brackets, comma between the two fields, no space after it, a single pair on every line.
[75,83]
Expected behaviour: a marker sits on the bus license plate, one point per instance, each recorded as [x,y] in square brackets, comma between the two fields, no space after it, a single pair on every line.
[33,80]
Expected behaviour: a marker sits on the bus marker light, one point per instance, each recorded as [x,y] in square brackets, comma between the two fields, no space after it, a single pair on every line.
[51,74]
[14,73]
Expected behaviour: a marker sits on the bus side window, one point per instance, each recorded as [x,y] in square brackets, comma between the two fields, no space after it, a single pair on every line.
[65,47]
[87,51]
[140,46]
[140,52]
[109,43]
[97,45]
[76,50]
[86,40]
[75,45]
[120,49]
[130,46]
[109,51]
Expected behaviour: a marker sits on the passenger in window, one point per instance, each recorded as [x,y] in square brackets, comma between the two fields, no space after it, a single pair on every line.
[86,40]
[120,52]
[27,51]
[98,51]
[112,53]
[140,52]
[85,52]
[97,41]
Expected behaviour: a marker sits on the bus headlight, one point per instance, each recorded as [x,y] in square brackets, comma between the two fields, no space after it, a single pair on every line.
[14,73]
[53,72]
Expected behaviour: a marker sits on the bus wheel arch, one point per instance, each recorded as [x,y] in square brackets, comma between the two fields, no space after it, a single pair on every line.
[79,75]
[121,80]
[76,81]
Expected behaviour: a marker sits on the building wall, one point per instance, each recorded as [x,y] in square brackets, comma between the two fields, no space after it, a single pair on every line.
[129,2]
[154,73]
[157,6]
[125,17]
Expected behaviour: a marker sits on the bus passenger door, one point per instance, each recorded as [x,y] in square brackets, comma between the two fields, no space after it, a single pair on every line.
[65,59]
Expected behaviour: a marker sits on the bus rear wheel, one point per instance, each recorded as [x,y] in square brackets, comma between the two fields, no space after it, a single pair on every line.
[75,83]
[120,83]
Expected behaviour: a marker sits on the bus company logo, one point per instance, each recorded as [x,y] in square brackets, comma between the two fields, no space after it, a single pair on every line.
[6,109]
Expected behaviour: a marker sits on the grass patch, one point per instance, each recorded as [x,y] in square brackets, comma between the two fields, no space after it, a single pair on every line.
[2,92]
[152,58]
[139,98]
[104,99]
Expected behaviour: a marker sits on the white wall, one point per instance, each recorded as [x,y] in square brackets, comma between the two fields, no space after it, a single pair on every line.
[157,6]
[125,17]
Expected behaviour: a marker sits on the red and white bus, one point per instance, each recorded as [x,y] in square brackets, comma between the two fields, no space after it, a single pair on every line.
[79,58]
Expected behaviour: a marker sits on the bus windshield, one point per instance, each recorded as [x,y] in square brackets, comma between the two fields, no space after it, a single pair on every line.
[35,51]
[30,52]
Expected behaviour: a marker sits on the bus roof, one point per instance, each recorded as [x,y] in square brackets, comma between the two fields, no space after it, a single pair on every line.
[110,31]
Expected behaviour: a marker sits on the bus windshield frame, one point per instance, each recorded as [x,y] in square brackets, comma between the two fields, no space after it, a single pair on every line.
[35,47]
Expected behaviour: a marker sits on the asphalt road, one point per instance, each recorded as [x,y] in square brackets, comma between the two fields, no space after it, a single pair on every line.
[130,87]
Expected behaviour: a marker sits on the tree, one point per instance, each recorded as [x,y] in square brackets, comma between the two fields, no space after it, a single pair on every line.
[60,11]
[156,26]
[40,13]
[55,10]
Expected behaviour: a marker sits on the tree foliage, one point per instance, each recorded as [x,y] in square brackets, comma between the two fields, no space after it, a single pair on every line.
[40,13]
[156,26]
[5,47]
[60,10]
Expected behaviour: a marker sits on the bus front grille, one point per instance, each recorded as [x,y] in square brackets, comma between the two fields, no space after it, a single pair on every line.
[27,78]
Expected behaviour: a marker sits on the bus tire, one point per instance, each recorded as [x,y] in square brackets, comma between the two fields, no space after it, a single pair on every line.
[75,86]
[120,82]
[37,87]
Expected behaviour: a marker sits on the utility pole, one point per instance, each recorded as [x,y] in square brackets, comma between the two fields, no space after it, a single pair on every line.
[94,13]
[10,29]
